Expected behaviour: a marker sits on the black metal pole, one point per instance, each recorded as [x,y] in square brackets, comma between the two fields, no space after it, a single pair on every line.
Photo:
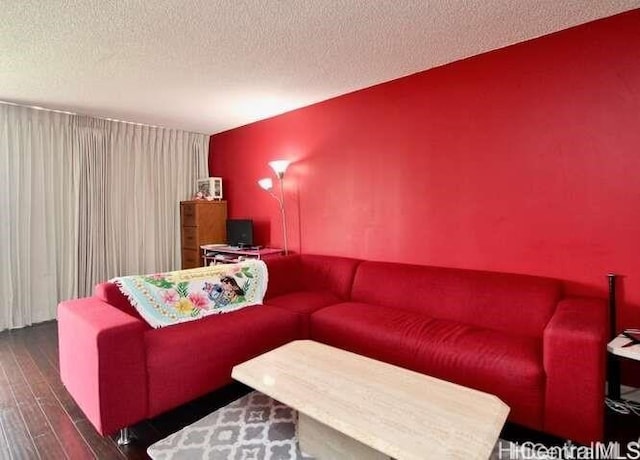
[612,305]
[613,363]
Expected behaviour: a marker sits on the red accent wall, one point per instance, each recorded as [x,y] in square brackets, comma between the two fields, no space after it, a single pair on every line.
[525,159]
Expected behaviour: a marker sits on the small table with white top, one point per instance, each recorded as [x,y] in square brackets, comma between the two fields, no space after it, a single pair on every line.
[213,254]
[622,346]
[350,406]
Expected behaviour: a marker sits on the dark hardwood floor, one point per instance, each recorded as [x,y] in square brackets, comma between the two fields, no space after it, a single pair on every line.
[38,418]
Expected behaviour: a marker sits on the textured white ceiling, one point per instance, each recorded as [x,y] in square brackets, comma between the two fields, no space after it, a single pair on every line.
[211,65]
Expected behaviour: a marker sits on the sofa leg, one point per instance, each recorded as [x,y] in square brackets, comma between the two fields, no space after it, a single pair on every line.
[125,436]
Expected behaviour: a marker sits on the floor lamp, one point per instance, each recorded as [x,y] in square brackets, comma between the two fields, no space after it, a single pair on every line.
[279,167]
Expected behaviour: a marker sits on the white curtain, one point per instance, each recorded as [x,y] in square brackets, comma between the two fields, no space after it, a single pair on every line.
[83,200]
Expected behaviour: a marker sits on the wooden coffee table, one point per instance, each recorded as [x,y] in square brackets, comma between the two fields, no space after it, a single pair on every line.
[350,406]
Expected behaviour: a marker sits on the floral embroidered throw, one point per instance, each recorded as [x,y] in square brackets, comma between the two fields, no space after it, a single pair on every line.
[163,299]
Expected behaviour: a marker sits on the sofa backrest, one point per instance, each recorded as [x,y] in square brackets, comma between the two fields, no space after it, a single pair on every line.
[308,272]
[328,272]
[111,294]
[284,275]
[499,301]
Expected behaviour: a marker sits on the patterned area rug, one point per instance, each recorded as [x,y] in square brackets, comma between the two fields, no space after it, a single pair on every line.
[254,427]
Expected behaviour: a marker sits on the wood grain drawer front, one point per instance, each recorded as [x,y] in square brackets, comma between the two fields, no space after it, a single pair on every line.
[191,258]
[189,214]
[190,238]
[202,222]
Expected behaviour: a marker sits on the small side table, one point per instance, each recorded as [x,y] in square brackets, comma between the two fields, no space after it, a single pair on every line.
[620,348]
[215,254]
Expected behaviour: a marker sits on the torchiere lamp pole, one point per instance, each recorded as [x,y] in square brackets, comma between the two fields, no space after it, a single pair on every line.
[279,167]
[613,364]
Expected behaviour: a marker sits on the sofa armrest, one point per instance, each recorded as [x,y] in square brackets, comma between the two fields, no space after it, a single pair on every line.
[574,354]
[102,362]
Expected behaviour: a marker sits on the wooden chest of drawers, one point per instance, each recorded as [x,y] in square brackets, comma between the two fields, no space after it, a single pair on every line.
[202,222]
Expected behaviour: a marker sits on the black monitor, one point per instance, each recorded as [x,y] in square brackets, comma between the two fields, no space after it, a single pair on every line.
[240,232]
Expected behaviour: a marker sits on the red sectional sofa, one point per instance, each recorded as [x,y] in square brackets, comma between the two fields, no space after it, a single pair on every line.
[515,336]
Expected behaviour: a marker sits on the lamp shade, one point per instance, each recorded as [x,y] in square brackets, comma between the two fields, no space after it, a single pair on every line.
[279,166]
[266,183]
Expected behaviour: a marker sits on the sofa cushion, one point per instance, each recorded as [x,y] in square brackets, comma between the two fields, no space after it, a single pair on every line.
[509,366]
[310,273]
[187,360]
[328,273]
[500,301]
[304,303]
[284,275]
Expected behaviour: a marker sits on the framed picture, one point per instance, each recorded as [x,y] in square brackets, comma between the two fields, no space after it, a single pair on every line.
[216,191]
[210,187]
